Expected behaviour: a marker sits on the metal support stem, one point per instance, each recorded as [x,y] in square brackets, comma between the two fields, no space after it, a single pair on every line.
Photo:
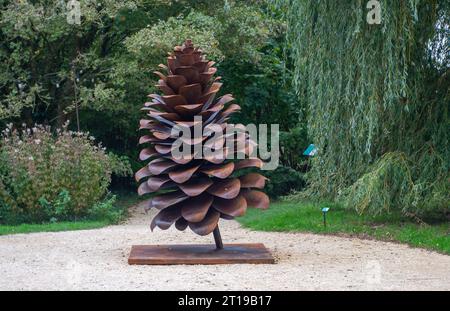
[218,238]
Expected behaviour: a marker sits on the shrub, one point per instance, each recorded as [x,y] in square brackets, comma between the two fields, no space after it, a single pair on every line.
[106,210]
[391,184]
[59,209]
[120,165]
[45,175]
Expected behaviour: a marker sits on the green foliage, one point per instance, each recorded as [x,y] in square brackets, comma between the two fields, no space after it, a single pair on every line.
[261,84]
[375,90]
[282,181]
[244,29]
[262,88]
[386,185]
[293,143]
[111,211]
[59,209]
[389,184]
[120,165]
[236,38]
[104,66]
[106,211]
[44,176]
[151,44]
[40,50]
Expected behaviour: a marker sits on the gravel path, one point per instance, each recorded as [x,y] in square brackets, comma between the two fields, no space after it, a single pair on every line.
[97,260]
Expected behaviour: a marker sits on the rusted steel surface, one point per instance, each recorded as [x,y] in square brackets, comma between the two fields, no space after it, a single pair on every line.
[199,254]
[195,192]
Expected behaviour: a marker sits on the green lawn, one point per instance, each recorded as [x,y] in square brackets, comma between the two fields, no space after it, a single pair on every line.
[124,200]
[307,217]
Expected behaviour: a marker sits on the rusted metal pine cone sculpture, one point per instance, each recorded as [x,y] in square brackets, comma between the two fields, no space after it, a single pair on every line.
[196,192]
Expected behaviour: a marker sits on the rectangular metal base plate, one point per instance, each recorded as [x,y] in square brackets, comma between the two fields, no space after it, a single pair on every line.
[199,254]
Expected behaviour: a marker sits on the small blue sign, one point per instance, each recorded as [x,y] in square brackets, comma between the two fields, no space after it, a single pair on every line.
[325,209]
[310,151]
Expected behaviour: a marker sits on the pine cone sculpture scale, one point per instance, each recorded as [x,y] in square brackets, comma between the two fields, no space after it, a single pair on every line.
[197,191]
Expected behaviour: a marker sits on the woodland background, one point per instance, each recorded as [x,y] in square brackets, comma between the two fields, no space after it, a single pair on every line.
[372,98]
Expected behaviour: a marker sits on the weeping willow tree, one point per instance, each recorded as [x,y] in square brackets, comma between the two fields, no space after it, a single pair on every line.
[377,98]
